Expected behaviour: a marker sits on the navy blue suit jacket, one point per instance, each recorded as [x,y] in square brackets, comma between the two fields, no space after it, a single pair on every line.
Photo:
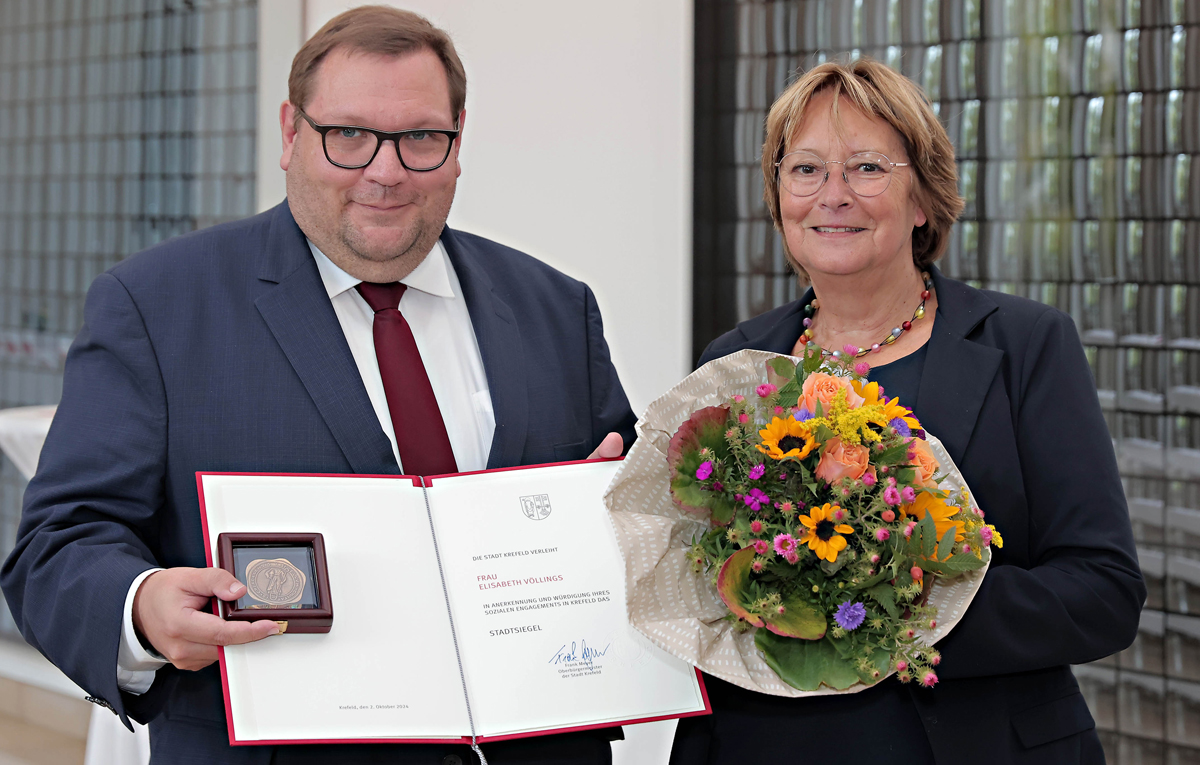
[1007,389]
[220,350]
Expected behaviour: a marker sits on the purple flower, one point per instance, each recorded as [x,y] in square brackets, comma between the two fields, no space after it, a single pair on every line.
[756,499]
[802,414]
[718,486]
[850,616]
[704,472]
[901,427]
[757,471]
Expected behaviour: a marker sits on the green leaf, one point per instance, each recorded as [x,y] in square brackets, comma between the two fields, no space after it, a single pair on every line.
[784,368]
[789,393]
[881,660]
[805,664]
[962,562]
[722,508]
[733,582]
[799,620]
[945,547]
[811,363]
[885,595]
[928,532]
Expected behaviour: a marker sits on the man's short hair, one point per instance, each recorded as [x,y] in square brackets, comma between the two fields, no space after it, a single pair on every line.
[383,31]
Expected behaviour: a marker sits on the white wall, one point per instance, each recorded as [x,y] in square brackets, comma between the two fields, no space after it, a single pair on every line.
[577,150]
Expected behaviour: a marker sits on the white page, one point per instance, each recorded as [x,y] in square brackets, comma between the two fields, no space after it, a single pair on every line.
[566,661]
[387,667]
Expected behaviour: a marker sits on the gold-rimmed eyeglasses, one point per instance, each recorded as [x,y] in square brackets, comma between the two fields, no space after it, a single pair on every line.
[867,173]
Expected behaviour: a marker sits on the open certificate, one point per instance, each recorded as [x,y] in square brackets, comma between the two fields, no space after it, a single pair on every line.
[488,604]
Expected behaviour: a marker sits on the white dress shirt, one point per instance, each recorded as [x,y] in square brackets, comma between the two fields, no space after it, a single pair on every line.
[435,309]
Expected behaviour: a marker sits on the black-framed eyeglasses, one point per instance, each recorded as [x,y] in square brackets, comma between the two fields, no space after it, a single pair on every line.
[352,146]
[867,173]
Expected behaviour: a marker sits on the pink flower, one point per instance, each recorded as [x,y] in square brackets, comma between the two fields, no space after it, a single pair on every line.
[765,390]
[936,659]
[756,526]
[757,471]
[792,557]
[757,565]
[787,507]
[933,624]
[739,398]
[861,368]
[891,496]
[929,680]
[901,665]
[908,494]
[882,535]
[762,546]
[888,516]
[839,460]
[985,535]
[868,478]
[850,350]
[839,515]
[908,530]
[779,411]
[785,544]
[743,418]
[823,388]
[875,558]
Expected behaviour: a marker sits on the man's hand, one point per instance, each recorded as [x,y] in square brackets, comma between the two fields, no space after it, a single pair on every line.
[610,447]
[169,611]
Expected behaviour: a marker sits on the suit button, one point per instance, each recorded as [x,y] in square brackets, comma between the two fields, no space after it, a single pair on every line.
[452,759]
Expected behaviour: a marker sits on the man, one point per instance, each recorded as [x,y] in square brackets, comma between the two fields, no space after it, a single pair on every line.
[274,344]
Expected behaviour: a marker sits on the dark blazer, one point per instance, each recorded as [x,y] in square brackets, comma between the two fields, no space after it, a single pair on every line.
[220,350]
[1007,389]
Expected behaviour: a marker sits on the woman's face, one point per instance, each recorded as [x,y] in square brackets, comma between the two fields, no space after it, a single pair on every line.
[835,231]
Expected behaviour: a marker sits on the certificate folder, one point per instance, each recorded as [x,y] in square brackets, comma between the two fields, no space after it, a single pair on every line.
[485,604]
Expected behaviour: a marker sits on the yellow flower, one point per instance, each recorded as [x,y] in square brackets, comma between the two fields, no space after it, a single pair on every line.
[822,533]
[891,409]
[848,423]
[785,438]
[941,512]
[997,540]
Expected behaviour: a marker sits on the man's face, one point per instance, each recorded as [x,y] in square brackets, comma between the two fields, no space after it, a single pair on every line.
[376,223]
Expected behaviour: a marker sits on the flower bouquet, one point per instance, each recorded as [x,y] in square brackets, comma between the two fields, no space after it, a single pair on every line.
[789,528]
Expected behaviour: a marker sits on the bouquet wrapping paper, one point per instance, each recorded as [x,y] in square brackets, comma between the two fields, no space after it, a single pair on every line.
[679,610]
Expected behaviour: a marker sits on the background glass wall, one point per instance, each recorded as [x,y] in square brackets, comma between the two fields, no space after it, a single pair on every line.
[1076,125]
[122,123]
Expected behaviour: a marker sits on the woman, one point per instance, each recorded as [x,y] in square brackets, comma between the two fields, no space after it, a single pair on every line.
[860,181]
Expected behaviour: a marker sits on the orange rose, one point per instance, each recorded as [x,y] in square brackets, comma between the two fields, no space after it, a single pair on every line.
[925,462]
[840,461]
[824,388]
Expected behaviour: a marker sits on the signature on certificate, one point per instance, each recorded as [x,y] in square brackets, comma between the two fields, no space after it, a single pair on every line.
[583,653]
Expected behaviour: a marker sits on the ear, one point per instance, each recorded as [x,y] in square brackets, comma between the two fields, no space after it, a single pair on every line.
[287,126]
[919,218]
[462,121]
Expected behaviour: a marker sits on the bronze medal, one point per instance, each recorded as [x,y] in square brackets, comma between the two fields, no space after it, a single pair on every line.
[274,581]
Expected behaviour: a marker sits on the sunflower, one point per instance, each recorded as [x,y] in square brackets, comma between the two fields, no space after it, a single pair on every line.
[822,534]
[930,503]
[891,409]
[785,438]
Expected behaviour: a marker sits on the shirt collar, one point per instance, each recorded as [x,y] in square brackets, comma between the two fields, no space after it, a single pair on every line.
[431,276]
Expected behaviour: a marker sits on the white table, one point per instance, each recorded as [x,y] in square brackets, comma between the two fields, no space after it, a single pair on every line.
[22,432]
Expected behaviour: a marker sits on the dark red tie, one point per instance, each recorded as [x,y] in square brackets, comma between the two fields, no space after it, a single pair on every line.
[420,432]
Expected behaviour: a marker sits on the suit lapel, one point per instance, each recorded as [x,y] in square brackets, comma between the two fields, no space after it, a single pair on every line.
[502,350]
[958,372]
[298,313]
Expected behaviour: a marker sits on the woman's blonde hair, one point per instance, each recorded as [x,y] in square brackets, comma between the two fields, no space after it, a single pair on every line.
[876,91]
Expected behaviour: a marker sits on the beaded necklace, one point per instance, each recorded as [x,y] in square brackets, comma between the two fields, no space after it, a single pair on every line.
[810,313]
